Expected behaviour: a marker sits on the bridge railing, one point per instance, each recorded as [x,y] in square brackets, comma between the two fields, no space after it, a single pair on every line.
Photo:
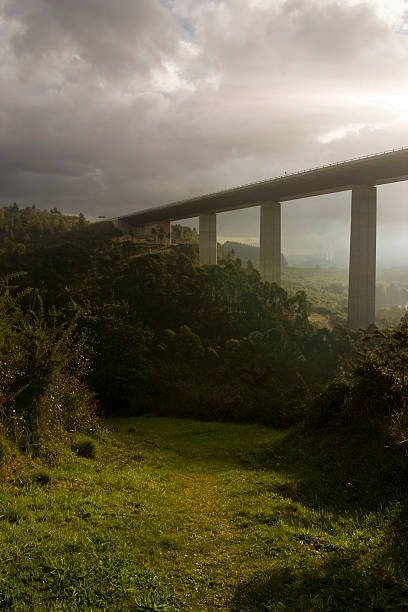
[264,181]
[315,168]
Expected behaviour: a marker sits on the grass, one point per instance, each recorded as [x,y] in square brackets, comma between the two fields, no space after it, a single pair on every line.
[179,515]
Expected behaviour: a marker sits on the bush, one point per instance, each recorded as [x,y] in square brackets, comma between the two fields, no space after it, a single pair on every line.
[42,477]
[86,447]
[373,394]
[43,362]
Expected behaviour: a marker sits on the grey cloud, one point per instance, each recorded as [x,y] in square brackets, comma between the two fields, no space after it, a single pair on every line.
[114,39]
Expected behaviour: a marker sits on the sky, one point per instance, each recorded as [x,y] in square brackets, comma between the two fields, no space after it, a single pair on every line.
[111,107]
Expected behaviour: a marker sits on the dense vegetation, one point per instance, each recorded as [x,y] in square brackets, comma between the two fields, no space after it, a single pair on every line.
[143,328]
[93,324]
[25,229]
[253,340]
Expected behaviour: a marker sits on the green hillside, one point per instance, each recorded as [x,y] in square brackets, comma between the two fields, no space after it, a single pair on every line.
[255,456]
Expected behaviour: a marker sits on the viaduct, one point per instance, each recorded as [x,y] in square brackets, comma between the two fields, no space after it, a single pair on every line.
[359,176]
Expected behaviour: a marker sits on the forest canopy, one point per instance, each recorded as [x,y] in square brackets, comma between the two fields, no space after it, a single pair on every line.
[142,328]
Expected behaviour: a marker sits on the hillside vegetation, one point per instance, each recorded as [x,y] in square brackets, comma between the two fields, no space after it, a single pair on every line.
[155,326]
[151,513]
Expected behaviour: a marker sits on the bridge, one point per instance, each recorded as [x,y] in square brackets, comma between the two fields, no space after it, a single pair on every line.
[359,176]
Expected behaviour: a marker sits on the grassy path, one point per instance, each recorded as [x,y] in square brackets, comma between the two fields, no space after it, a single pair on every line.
[179,515]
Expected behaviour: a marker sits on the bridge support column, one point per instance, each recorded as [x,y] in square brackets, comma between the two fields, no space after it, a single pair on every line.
[208,239]
[270,242]
[362,270]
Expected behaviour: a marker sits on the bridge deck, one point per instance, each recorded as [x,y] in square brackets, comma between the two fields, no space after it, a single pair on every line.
[388,167]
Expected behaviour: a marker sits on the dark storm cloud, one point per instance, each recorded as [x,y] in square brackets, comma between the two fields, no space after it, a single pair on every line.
[107,107]
[115,39]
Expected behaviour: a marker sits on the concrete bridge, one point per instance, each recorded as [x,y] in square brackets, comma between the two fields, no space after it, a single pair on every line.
[359,176]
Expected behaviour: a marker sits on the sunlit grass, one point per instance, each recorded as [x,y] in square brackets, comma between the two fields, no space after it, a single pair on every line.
[180,515]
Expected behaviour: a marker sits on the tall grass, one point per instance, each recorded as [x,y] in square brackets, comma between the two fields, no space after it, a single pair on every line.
[43,365]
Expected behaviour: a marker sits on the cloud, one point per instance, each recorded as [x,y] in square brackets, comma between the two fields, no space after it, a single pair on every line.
[109,107]
[113,40]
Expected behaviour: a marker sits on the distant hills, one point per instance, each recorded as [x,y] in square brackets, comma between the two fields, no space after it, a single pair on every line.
[247,252]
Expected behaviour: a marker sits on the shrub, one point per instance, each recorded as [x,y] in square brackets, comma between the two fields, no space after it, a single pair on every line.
[373,394]
[42,477]
[85,447]
[43,361]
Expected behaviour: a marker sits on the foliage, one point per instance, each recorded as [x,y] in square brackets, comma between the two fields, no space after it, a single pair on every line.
[42,477]
[21,230]
[43,367]
[256,341]
[180,233]
[85,447]
[121,374]
[157,327]
[374,392]
[222,323]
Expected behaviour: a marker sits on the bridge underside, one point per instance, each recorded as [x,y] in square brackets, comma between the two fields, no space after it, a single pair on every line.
[359,176]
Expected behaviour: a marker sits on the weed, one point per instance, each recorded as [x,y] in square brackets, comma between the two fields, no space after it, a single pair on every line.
[85,447]
[42,477]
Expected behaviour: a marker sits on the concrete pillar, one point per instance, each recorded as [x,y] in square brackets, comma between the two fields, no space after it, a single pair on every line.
[270,242]
[361,301]
[208,239]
